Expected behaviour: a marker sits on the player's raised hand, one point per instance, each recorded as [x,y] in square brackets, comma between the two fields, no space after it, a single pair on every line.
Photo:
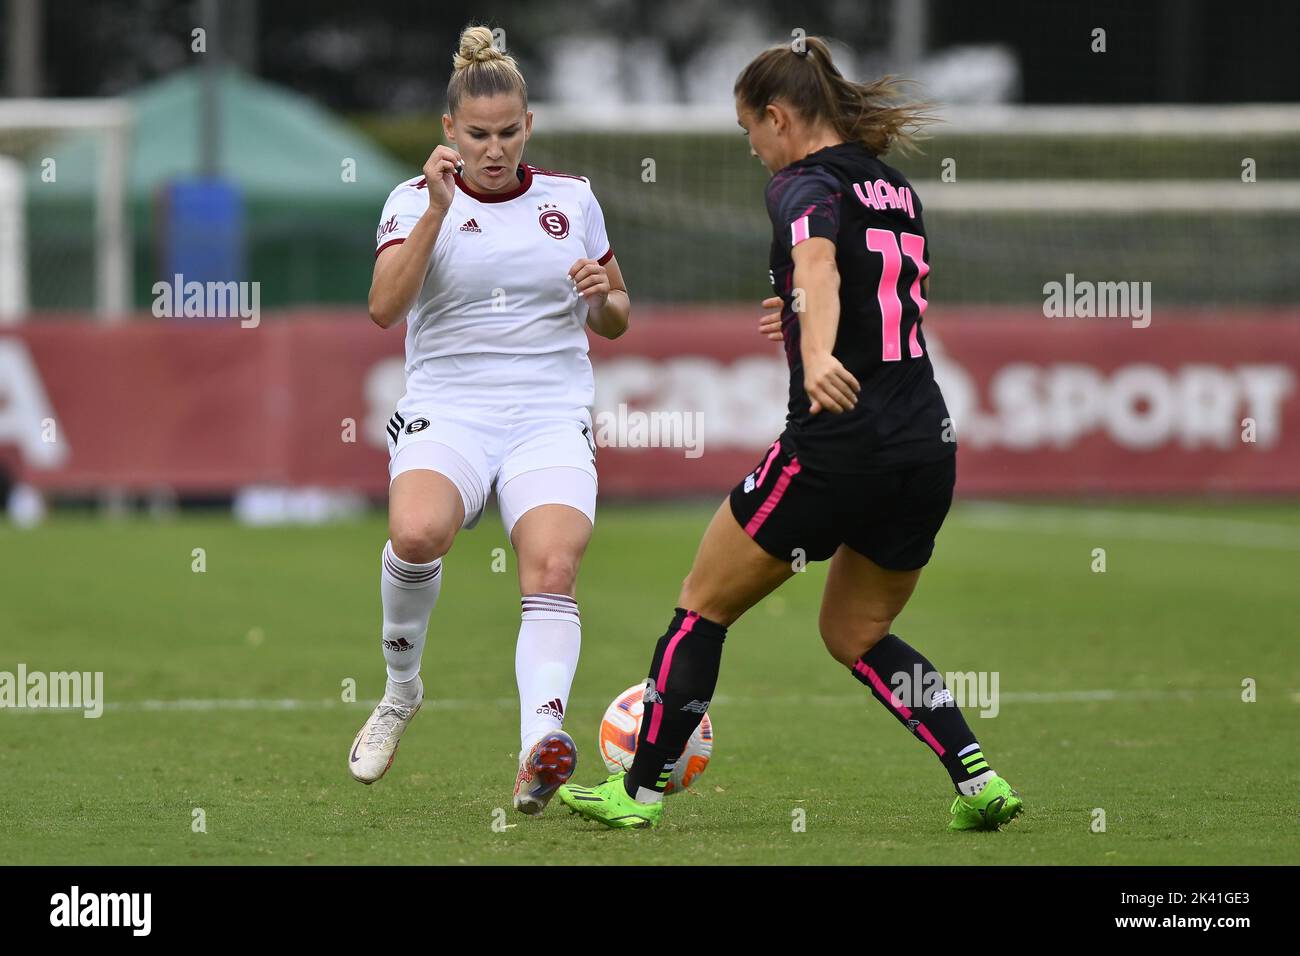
[769,325]
[592,282]
[439,170]
[829,384]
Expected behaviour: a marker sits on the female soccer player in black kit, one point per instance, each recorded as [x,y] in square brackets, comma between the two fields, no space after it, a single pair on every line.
[863,473]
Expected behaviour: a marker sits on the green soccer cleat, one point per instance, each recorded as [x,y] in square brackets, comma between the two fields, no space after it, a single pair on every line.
[609,804]
[995,805]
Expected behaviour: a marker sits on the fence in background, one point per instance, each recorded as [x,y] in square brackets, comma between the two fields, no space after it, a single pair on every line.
[1202,402]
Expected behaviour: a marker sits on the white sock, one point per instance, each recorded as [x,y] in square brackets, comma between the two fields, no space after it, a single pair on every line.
[404,692]
[409,591]
[546,657]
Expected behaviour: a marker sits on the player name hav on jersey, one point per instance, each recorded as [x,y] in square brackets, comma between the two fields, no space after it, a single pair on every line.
[883,195]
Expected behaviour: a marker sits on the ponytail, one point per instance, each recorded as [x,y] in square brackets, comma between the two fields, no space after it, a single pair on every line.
[809,82]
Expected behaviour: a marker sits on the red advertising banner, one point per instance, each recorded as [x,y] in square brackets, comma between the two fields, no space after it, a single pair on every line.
[686,402]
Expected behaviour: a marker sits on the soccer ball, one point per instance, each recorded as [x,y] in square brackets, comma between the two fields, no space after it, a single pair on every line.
[621,725]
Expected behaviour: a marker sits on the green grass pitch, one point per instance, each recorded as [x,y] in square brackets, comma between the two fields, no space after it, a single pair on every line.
[1195,599]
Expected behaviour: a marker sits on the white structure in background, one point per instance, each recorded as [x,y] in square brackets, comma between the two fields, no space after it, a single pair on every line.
[110,121]
[26,506]
[13,244]
[606,73]
[603,74]
[711,73]
[262,505]
[969,74]
[586,68]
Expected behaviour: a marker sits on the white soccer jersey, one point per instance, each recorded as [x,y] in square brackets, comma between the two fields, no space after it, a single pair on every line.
[497,323]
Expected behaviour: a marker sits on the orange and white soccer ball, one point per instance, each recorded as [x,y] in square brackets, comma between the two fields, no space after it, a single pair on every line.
[621,725]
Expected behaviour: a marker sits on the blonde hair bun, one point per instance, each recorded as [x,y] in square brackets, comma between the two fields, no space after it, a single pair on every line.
[476,47]
[482,69]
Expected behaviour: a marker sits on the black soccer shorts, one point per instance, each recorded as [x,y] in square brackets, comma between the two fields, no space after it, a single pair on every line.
[891,517]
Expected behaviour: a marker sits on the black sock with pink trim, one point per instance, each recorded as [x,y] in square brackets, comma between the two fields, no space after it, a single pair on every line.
[913,691]
[683,674]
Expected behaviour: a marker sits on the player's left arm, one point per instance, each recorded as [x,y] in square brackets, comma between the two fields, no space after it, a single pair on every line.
[608,306]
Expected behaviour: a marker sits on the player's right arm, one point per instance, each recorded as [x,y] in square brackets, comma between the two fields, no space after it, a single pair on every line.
[400,268]
[828,383]
[804,209]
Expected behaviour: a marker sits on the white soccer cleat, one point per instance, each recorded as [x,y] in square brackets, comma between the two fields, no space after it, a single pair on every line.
[376,742]
[545,768]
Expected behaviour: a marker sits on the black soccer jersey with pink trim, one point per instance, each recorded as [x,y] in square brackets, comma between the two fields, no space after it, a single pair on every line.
[869,210]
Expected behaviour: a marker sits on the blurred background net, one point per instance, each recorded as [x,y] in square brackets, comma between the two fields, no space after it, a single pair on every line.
[1020,182]
[1006,204]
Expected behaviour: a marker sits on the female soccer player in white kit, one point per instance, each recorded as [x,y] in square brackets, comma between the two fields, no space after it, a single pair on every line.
[496,267]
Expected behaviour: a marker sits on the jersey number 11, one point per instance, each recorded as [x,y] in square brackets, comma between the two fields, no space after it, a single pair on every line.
[886,242]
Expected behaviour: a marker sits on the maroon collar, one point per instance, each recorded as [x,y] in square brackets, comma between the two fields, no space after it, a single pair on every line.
[525,175]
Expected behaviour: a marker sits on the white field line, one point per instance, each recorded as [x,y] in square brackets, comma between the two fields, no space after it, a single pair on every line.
[203,704]
[1178,529]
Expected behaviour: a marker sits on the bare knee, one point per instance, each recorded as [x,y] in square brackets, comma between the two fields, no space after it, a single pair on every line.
[848,640]
[420,540]
[554,572]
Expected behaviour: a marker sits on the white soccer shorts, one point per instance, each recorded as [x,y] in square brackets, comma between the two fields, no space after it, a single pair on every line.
[529,462]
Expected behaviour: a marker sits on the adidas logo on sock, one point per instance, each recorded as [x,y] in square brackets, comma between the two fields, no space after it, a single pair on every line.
[470,226]
[554,708]
[401,644]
